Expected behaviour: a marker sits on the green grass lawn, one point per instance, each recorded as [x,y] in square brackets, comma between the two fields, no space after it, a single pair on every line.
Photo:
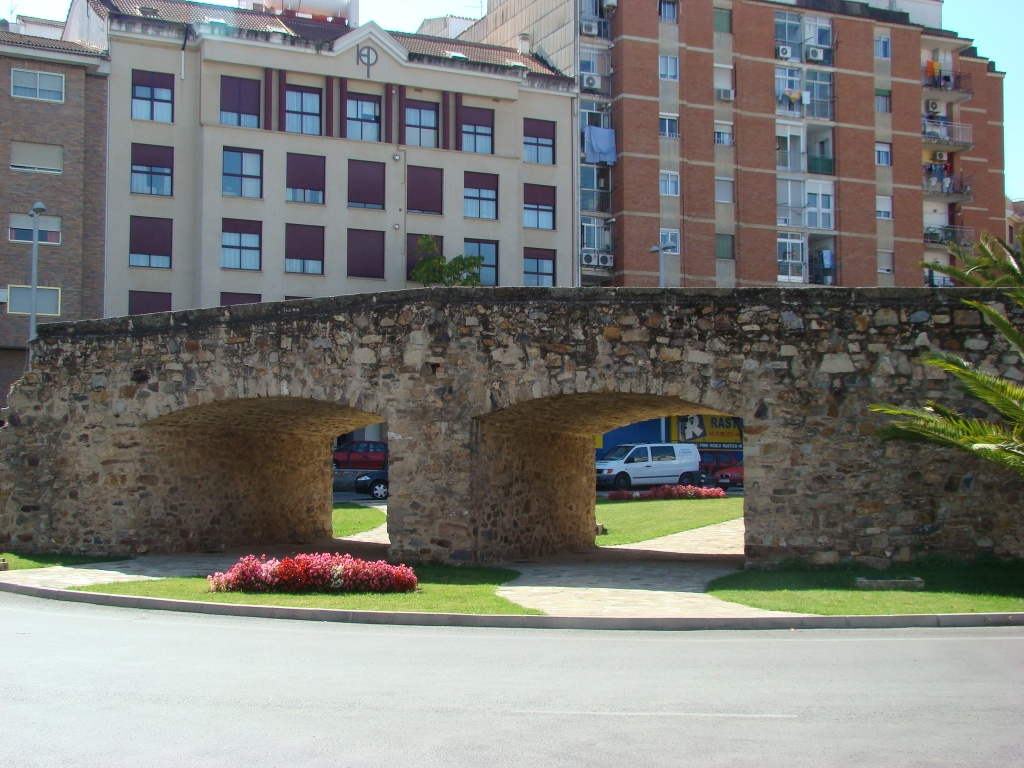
[631,521]
[347,519]
[977,586]
[18,562]
[442,589]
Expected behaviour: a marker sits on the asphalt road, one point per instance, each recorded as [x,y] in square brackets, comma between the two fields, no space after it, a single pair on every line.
[84,685]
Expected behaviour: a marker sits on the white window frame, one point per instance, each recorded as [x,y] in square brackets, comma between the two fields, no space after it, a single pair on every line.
[665,121]
[668,240]
[668,183]
[795,269]
[37,97]
[883,207]
[883,47]
[883,153]
[26,291]
[720,187]
[668,67]
[820,212]
[790,199]
[886,262]
[723,134]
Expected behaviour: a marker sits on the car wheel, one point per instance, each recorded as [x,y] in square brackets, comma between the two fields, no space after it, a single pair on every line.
[686,478]
[379,490]
[622,482]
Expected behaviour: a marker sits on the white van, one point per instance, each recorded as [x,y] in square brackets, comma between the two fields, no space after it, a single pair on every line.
[649,464]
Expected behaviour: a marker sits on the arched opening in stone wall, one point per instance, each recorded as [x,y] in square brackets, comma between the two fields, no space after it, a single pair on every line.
[240,472]
[535,469]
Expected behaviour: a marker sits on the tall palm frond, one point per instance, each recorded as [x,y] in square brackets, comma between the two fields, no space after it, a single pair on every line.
[992,263]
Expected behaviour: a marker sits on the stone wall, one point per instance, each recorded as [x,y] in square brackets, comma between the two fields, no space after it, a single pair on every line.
[210,428]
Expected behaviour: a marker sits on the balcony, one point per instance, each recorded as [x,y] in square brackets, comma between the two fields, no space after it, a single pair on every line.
[946,84]
[947,136]
[940,237]
[951,189]
[821,164]
[595,200]
[591,26]
[786,160]
[789,216]
[819,109]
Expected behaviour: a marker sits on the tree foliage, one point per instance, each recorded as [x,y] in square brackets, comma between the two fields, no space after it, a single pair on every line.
[433,268]
[992,263]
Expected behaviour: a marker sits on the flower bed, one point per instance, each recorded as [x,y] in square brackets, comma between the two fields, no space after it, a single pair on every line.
[321,572]
[663,492]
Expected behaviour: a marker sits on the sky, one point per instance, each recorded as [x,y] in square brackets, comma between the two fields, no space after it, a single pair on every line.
[995,26]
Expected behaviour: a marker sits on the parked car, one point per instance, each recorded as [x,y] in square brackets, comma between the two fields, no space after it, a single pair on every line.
[728,477]
[361,454]
[649,464]
[373,484]
[714,461]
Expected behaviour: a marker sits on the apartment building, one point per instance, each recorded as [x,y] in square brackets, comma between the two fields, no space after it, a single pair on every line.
[263,155]
[53,113]
[758,142]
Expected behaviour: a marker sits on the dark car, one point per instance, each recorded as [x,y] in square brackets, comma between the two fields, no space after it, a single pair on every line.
[373,484]
[361,454]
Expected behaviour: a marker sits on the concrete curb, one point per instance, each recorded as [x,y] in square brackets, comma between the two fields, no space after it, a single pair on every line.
[525,622]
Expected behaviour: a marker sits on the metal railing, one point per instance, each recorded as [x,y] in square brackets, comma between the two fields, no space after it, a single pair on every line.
[949,235]
[940,184]
[819,109]
[821,164]
[788,161]
[946,80]
[940,132]
[595,200]
[789,216]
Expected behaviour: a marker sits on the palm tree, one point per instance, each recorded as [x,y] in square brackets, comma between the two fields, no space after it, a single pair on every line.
[993,263]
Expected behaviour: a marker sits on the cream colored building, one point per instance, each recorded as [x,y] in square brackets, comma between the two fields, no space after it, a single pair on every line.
[259,156]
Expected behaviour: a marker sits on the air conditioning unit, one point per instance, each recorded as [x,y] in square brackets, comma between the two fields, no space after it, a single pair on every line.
[725,94]
[592,82]
[940,157]
[784,52]
[589,259]
[591,28]
[933,106]
[605,260]
[815,54]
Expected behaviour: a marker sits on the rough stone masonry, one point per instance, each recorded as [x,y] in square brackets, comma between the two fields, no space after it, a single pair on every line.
[211,428]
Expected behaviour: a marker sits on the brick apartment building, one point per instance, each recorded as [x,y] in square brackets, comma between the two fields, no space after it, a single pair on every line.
[53,107]
[755,142]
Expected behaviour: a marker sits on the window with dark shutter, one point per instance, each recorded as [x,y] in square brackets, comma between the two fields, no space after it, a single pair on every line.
[480,195]
[241,244]
[420,123]
[152,169]
[362,117]
[229,299]
[425,189]
[477,130]
[414,252]
[538,266]
[306,178]
[538,141]
[147,302]
[152,96]
[488,250]
[149,242]
[365,184]
[365,253]
[538,206]
[303,249]
[302,109]
[239,102]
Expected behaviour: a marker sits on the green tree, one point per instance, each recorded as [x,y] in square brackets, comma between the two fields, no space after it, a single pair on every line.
[433,268]
[993,263]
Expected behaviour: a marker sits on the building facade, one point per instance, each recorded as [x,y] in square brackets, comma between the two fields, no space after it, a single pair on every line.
[53,112]
[265,156]
[754,142]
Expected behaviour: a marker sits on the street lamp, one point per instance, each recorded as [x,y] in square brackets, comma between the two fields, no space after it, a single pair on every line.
[37,210]
[660,250]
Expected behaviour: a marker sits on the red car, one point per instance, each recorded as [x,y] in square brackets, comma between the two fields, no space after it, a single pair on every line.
[361,454]
[728,477]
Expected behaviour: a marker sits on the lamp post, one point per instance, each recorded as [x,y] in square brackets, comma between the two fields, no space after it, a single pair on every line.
[660,250]
[37,210]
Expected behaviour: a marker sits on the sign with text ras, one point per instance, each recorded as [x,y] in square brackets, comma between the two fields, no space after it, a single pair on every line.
[724,432]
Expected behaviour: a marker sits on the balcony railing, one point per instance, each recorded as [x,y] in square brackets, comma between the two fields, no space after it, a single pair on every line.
[941,185]
[934,279]
[821,164]
[788,161]
[595,200]
[822,269]
[949,235]
[789,216]
[594,27]
[819,109]
[954,134]
[946,80]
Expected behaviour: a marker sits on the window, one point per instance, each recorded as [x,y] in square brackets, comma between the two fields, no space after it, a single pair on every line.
[19,300]
[306,178]
[820,204]
[595,113]
[668,183]
[147,302]
[414,250]
[243,173]
[365,253]
[790,202]
[480,196]
[883,100]
[425,189]
[538,206]
[668,126]
[28,84]
[723,134]
[240,244]
[789,31]
[477,131]
[788,91]
[37,158]
[594,61]
[152,170]
[303,249]
[22,227]
[365,184]
[883,153]
[149,242]
[722,20]
[595,193]
[302,110]
[668,240]
[883,47]
[792,257]
[538,266]
[668,67]
[818,31]
[362,117]
[231,299]
[239,102]
[420,123]
[725,247]
[886,262]
[723,78]
[595,234]
[883,206]
[668,11]
[152,96]
[488,249]
[538,141]
[724,192]
[819,89]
